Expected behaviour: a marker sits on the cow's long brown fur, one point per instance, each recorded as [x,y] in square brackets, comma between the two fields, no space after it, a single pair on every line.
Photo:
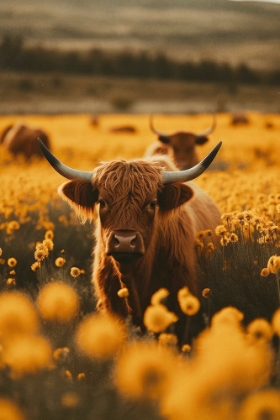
[22,139]
[169,260]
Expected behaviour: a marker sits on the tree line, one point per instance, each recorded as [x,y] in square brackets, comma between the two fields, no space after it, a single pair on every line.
[16,56]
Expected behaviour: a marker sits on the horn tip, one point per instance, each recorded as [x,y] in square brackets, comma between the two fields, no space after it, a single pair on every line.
[209,159]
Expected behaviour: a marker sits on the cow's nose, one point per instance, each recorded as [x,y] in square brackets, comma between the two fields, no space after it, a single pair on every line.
[125,242]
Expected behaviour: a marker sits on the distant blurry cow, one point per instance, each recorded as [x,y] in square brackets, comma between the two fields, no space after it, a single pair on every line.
[239,119]
[94,121]
[22,139]
[180,145]
[123,129]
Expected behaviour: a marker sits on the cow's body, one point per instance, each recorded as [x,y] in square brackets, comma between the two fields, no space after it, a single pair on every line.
[22,139]
[181,146]
[145,227]
[169,260]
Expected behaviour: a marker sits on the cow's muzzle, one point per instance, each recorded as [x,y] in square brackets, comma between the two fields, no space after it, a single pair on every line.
[125,245]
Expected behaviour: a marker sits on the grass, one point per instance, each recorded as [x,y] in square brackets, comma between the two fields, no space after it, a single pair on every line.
[67,362]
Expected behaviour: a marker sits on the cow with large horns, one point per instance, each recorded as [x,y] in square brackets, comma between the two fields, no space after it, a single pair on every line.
[180,145]
[22,139]
[146,221]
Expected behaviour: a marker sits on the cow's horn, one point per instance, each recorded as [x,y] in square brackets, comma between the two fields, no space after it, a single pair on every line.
[170,177]
[162,136]
[210,129]
[63,169]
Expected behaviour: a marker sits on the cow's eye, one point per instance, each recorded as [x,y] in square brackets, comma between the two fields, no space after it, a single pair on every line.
[152,205]
[102,203]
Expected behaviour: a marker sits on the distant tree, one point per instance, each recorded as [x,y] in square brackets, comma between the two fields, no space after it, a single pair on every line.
[274,78]
[245,75]
[10,52]
[163,67]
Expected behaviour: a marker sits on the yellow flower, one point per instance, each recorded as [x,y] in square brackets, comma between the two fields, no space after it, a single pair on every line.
[227,315]
[227,217]
[12,226]
[206,293]
[260,330]
[68,374]
[186,348]
[273,264]
[10,411]
[265,272]
[157,318]
[262,405]
[49,234]
[28,354]
[190,305]
[100,336]
[224,241]
[1,252]
[123,292]
[57,301]
[61,353]
[81,376]
[41,254]
[158,296]
[200,234]
[210,248]
[12,262]
[49,244]
[276,322]
[233,237]
[144,370]
[11,282]
[17,315]
[75,271]
[220,230]
[59,262]
[183,292]
[35,266]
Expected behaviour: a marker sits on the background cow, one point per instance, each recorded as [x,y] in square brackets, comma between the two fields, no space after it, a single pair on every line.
[145,229]
[22,139]
[180,145]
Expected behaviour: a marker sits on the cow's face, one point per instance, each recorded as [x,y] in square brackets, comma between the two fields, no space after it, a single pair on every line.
[183,147]
[130,200]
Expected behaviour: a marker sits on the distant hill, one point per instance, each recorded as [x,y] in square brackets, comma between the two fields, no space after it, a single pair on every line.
[221,30]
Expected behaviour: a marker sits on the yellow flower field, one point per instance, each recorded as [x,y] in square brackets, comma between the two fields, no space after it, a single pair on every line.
[59,359]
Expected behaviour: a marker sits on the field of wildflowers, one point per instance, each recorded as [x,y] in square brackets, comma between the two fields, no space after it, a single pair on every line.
[61,360]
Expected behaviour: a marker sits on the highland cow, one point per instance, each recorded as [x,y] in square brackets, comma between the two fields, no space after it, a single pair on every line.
[20,139]
[180,145]
[146,220]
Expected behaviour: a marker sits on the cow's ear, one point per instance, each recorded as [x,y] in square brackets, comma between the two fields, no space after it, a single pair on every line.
[82,197]
[174,195]
[201,140]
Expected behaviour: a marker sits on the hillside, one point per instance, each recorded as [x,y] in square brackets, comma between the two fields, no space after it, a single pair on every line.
[222,30]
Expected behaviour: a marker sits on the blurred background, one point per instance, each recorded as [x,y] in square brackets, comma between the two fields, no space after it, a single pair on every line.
[139,56]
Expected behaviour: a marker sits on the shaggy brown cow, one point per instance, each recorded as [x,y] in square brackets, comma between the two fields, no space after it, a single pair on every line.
[180,145]
[22,139]
[147,220]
